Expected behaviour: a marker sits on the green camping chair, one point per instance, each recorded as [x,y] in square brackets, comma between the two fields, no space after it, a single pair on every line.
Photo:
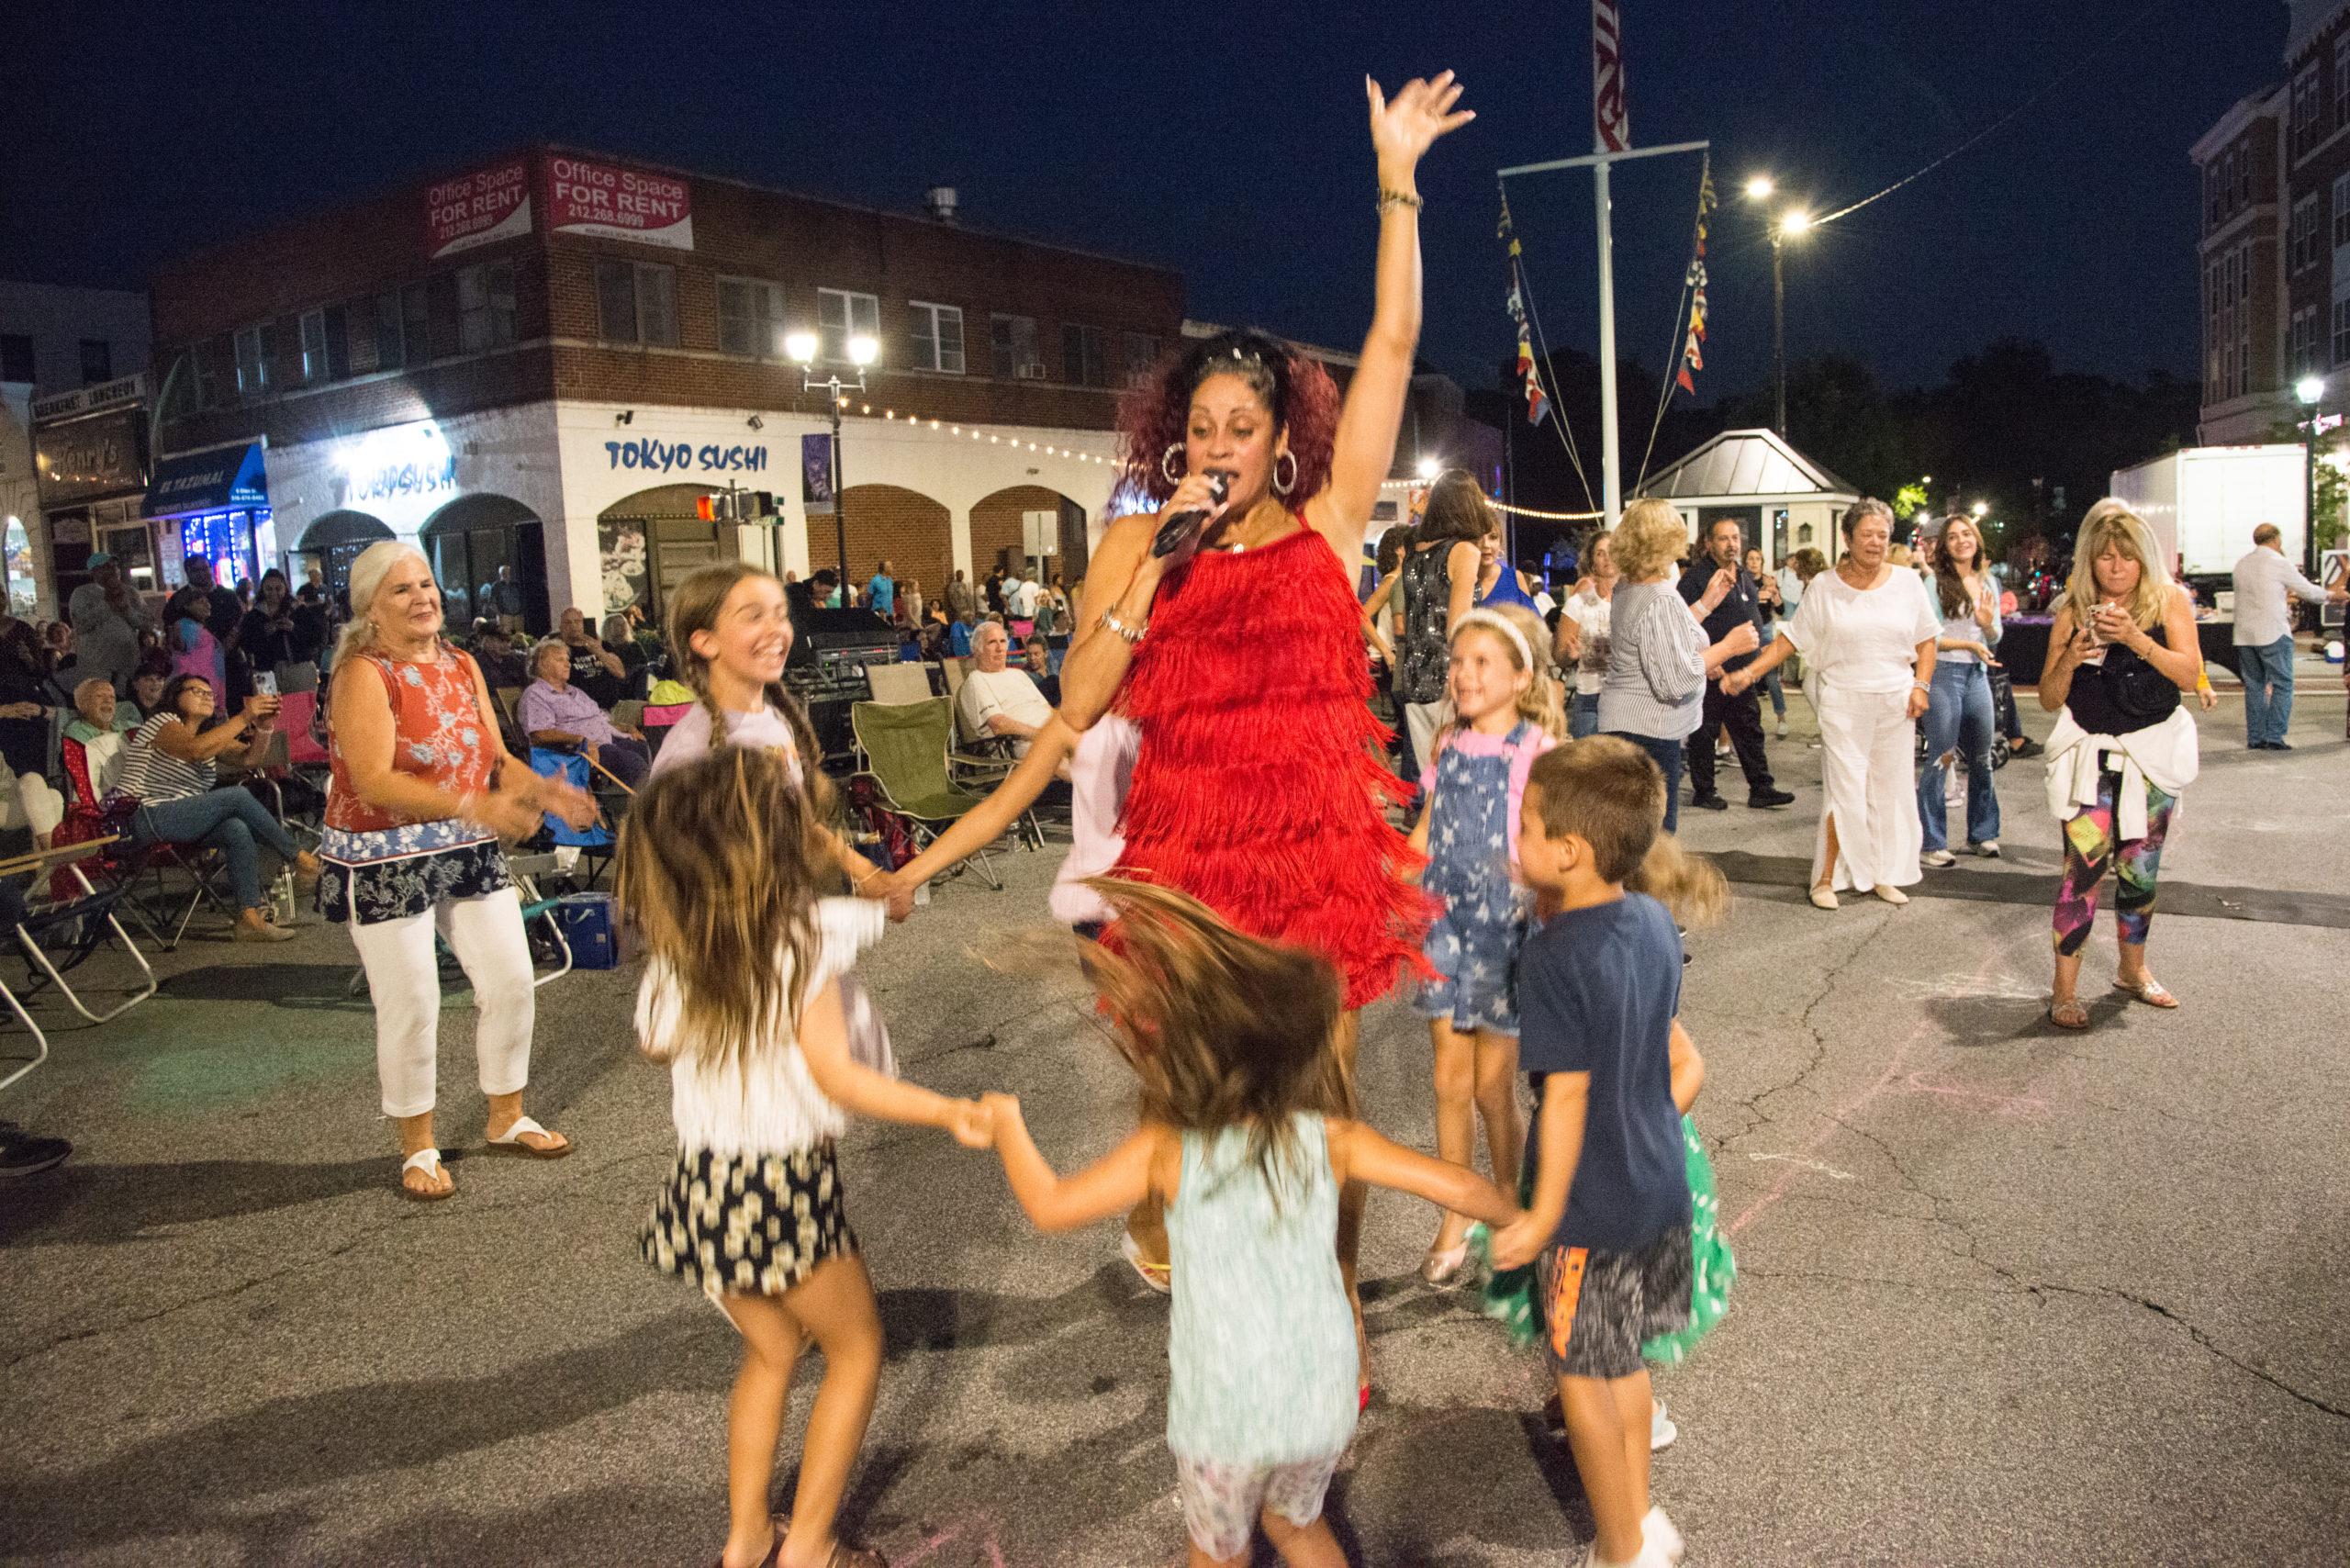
[903,749]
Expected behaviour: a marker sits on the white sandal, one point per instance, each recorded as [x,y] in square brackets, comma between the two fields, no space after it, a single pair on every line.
[510,1145]
[429,1161]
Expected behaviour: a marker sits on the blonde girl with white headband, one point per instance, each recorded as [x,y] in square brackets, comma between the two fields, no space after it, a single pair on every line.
[1507,712]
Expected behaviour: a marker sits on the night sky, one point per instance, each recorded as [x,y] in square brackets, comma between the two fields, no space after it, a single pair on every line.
[1228,142]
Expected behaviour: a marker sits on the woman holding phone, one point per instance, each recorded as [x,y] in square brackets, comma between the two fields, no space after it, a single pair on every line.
[2122,650]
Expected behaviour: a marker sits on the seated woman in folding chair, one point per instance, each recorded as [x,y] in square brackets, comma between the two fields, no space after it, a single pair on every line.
[168,767]
[423,790]
[558,714]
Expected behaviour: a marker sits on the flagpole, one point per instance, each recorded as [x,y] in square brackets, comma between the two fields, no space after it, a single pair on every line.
[1611,458]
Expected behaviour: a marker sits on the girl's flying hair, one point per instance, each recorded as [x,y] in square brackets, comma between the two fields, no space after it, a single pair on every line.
[1223,1029]
[715,869]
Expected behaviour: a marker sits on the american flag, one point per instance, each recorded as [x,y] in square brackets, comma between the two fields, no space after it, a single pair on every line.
[1610,124]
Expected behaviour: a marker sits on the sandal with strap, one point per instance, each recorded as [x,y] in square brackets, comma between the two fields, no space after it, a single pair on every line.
[2148,990]
[781,1525]
[1159,1277]
[510,1145]
[2068,1014]
[429,1161]
[1443,1265]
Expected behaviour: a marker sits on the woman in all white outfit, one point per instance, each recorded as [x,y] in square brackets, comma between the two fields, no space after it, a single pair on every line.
[1867,632]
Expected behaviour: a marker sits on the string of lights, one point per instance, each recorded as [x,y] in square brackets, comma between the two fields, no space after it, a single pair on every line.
[976,433]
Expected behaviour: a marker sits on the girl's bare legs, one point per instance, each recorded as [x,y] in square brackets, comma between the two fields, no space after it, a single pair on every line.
[1302,1546]
[1350,1203]
[1497,1104]
[1457,1104]
[771,1342]
[835,1305]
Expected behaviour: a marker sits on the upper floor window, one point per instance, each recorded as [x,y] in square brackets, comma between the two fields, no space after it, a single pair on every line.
[1081,356]
[1012,348]
[2305,227]
[935,337]
[842,314]
[2308,99]
[2342,81]
[636,302]
[1141,353]
[15,357]
[314,345]
[485,306]
[750,318]
[98,361]
[252,361]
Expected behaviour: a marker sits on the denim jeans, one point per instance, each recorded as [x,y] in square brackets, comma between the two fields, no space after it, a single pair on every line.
[229,820]
[2270,664]
[1958,721]
[1668,757]
[1582,715]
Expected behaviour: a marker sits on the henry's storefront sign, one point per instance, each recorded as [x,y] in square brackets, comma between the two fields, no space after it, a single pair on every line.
[612,202]
[479,209]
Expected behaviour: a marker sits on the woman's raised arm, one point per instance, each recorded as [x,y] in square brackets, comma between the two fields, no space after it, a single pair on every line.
[1400,130]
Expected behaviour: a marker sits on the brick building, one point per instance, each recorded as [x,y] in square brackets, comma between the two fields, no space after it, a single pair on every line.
[541,363]
[72,440]
[2275,235]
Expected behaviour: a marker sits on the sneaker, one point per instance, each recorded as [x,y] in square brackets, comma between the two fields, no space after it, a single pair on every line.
[1709,802]
[1658,1535]
[2027,746]
[264,932]
[1940,859]
[1661,1432]
[1782,729]
[2280,745]
[24,1155]
[1763,800]
[1988,849]
[1651,1556]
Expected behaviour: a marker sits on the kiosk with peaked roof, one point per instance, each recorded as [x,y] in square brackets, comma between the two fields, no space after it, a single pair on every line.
[1784,499]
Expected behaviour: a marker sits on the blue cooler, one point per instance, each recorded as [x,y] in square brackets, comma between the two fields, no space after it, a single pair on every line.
[591,924]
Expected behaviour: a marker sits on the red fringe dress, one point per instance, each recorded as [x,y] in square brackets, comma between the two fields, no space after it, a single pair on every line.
[1261,785]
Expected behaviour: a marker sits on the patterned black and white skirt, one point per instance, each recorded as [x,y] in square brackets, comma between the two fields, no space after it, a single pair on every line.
[749,1224]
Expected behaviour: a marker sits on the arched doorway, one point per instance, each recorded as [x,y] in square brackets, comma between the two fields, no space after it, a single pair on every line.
[469,540]
[649,543]
[332,542]
[999,531]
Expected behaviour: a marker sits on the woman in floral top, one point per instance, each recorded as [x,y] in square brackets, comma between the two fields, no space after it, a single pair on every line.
[423,791]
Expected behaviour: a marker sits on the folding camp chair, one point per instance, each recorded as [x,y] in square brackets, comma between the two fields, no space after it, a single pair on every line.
[899,683]
[982,761]
[74,926]
[594,842]
[658,718]
[904,747]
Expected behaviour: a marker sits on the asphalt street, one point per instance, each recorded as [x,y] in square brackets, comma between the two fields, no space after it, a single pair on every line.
[2006,1295]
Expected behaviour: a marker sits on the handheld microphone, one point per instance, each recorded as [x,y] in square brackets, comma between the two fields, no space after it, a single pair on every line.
[1179,529]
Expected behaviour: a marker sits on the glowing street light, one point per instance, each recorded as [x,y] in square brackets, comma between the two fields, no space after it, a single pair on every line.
[1980,510]
[863,351]
[2311,390]
[1795,220]
[1429,467]
[801,347]
[1761,188]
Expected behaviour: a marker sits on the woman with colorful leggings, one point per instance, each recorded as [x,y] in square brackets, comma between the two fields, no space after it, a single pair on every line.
[2123,651]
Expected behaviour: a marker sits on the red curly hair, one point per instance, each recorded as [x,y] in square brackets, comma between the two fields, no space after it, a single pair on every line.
[1157,412]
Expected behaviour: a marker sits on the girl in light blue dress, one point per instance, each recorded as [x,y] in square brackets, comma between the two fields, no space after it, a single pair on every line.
[1247,1136]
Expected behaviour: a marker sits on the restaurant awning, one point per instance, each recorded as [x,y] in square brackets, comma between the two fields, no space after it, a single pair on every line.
[225,479]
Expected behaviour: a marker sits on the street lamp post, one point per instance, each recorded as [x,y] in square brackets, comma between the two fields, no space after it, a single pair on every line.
[862,352]
[1794,220]
[2311,390]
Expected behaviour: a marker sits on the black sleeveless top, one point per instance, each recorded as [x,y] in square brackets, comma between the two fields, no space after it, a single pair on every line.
[2123,694]
[1424,658]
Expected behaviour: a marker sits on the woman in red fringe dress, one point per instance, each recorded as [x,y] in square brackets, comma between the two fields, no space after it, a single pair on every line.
[1260,786]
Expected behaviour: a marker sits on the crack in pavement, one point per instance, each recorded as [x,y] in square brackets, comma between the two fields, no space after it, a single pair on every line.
[1758,1118]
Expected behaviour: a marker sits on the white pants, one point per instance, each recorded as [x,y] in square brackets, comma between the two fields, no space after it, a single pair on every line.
[404,981]
[1868,771]
[1421,722]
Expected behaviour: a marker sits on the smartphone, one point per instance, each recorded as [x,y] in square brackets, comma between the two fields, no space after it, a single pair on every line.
[266,682]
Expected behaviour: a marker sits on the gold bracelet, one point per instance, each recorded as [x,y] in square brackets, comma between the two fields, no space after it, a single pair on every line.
[1388,198]
[857,884]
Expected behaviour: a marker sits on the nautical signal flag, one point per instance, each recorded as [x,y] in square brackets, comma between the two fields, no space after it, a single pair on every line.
[1693,348]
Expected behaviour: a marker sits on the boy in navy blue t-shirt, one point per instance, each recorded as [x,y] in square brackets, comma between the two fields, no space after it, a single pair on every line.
[1599,988]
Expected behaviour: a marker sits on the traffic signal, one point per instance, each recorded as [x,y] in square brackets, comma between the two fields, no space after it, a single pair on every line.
[736,506]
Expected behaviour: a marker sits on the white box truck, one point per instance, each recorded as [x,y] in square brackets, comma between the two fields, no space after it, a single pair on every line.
[2204,501]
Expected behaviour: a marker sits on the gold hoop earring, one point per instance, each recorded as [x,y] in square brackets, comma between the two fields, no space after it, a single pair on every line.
[1280,488]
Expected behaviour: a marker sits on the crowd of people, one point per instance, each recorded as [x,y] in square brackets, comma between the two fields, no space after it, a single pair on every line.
[1240,882]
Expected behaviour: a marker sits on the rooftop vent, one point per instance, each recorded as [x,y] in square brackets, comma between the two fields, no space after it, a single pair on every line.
[940,201]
